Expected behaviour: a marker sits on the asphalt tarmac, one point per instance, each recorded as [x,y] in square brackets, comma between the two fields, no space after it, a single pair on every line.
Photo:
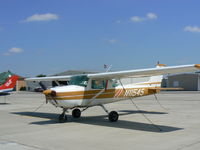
[172,123]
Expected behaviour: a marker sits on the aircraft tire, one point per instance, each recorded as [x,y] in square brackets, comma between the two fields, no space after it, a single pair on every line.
[62,118]
[113,116]
[76,113]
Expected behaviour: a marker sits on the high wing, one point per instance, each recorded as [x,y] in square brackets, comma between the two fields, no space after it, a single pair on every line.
[147,72]
[53,78]
[128,73]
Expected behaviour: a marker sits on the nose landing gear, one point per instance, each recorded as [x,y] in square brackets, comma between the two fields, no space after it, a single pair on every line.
[62,117]
[76,113]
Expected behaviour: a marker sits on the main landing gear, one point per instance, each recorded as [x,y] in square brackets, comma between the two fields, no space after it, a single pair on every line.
[112,116]
[76,113]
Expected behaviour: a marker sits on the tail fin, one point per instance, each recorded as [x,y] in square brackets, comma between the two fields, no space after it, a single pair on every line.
[156,80]
[9,84]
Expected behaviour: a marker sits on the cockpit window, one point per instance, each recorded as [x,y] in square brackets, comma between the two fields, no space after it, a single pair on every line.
[79,80]
[98,84]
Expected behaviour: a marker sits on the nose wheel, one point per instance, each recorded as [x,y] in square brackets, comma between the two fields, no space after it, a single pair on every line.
[76,113]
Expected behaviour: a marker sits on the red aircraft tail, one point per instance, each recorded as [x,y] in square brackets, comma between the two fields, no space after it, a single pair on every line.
[9,84]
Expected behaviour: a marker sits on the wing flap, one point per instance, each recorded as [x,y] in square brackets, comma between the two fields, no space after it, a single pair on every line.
[170,88]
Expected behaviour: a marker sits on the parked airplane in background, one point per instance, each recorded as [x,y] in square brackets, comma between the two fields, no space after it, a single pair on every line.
[88,90]
[9,85]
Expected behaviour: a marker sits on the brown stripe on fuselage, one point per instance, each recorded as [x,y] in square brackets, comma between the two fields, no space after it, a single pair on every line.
[109,93]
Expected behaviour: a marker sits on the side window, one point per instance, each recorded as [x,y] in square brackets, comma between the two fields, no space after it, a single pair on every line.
[115,83]
[98,84]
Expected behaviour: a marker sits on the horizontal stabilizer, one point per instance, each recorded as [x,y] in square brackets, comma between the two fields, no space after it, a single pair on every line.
[172,89]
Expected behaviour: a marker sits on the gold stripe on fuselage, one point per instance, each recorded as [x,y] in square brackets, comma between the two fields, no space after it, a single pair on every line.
[109,93]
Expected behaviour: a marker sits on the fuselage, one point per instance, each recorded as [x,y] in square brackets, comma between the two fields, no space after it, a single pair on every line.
[109,91]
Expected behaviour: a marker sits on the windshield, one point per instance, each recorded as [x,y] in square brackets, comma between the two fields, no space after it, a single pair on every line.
[79,80]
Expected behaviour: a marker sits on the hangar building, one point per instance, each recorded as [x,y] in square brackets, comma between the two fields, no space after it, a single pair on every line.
[187,81]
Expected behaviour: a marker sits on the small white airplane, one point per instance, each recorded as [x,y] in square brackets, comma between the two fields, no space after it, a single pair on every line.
[88,90]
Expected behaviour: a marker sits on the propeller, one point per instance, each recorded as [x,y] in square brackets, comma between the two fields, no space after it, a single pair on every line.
[48,92]
[44,88]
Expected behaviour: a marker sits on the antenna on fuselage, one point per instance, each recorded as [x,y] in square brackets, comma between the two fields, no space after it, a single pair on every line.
[107,68]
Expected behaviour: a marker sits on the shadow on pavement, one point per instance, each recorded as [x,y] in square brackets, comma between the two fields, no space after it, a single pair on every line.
[102,120]
[4,103]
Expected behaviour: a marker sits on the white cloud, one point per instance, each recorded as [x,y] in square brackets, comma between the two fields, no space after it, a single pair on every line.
[149,16]
[13,50]
[192,29]
[42,17]
[118,21]
[112,41]
[137,19]
[152,16]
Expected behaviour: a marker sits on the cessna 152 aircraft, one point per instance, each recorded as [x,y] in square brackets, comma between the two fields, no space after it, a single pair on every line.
[84,91]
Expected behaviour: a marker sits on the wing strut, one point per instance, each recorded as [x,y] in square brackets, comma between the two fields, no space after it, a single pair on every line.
[156,98]
[131,99]
[94,97]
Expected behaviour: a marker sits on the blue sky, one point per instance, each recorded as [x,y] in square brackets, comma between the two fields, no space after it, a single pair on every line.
[50,36]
